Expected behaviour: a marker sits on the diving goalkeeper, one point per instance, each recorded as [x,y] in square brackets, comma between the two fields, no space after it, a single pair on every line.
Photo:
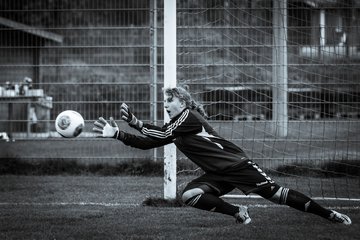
[226,166]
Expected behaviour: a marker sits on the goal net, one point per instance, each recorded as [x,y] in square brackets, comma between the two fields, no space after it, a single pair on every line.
[281,81]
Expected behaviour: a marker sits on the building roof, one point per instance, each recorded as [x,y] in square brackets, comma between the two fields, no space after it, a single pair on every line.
[31,30]
[330,3]
[317,4]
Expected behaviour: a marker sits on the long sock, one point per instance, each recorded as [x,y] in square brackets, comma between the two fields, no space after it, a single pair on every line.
[212,203]
[303,203]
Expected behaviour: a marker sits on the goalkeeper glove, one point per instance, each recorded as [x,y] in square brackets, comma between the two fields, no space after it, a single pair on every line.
[127,115]
[105,129]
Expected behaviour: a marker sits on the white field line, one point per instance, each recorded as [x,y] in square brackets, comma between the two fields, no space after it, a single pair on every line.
[103,204]
[315,198]
[284,206]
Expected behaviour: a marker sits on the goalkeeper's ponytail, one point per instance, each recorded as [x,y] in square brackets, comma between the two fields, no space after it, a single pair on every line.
[198,107]
[183,94]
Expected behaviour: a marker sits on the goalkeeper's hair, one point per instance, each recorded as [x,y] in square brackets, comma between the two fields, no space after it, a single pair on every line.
[183,94]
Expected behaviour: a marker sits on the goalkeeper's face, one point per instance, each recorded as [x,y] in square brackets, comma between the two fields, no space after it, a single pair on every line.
[173,105]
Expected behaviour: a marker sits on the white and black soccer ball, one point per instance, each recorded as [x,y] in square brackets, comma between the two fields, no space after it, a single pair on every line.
[69,124]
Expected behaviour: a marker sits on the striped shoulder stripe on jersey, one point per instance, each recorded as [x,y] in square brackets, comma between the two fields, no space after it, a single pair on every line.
[169,129]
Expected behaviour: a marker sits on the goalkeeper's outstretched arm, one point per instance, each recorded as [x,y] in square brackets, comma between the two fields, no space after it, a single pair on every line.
[141,142]
[106,130]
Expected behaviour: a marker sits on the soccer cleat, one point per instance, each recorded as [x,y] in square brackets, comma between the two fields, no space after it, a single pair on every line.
[339,217]
[243,215]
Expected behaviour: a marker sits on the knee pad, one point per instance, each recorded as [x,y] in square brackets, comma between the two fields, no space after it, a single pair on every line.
[192,192]
[189,195]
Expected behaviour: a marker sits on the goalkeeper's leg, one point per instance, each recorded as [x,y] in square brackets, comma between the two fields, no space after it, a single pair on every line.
[205,198]
[299,201]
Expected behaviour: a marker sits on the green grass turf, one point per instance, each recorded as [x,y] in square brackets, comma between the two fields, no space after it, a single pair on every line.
[90,207]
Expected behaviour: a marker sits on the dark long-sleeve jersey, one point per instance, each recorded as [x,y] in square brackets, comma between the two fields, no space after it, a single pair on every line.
[194,137]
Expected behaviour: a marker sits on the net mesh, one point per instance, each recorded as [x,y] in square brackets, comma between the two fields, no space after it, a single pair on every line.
[226,57]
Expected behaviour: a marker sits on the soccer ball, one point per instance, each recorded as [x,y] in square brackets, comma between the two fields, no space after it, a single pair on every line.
[69,124]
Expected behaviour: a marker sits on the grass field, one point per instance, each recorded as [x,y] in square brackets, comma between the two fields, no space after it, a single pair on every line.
[93,207]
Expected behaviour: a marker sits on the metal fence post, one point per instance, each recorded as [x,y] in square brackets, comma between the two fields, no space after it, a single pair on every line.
[153,66]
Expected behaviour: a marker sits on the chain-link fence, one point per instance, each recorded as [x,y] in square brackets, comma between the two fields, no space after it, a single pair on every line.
[90,56]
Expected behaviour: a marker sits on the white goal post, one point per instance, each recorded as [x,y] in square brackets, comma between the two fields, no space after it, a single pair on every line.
[279,71]
[169,81]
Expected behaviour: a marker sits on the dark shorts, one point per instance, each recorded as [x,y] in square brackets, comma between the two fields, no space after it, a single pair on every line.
[247,177]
